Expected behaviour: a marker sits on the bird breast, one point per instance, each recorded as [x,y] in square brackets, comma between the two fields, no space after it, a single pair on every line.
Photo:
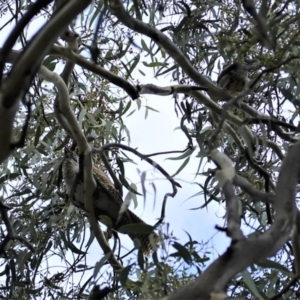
[70,170]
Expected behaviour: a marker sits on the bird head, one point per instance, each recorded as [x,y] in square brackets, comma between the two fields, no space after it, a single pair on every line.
[70,155]
[250,64]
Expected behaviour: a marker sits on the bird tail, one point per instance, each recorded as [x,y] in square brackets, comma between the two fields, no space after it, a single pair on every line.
[144,238]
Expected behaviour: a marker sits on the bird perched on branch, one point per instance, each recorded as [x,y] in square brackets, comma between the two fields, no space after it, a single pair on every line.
[107,199]
[234,77]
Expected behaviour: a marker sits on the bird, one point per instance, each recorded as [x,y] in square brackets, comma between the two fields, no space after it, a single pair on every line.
[234,78]
[107,199]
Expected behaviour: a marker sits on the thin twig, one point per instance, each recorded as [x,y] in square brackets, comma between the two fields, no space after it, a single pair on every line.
[154,164]
[142,156]
[167,152]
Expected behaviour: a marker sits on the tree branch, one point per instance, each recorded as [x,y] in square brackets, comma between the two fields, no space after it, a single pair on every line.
[83,146]
[26,67]
[116,7]
[256,246]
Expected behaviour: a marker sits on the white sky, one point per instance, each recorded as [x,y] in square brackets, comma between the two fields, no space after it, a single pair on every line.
[158,135]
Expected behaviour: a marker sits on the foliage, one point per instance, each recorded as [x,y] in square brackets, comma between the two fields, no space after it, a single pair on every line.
[209,34]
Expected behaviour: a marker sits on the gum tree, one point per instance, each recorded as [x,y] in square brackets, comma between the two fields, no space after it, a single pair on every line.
[69,77]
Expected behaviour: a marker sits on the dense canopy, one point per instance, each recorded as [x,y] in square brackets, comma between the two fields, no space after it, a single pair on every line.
[73,73]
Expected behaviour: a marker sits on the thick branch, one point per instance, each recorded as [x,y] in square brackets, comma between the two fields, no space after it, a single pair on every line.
[83,146]
[71,39]
[116,7]
[25,68]
[257,246]
[89,65]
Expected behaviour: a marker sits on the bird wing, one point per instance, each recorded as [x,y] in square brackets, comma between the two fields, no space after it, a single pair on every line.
[227,70]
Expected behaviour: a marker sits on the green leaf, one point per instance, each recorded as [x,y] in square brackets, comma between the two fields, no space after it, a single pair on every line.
[123,277]
[151,108]
[162,71]
[153,64]
[91,238]
[10,176]
[105,220]
[81,117]
[142,73]
[133,65]
[266,263]
[205,188]
[182,156]
[81,86]
[144,46]
[121,166]
[199,166]
[128,187]
[133,195]
[182,167]
[100,263]
[49,62]
[74,249]
[182,252]
[287,94]
[126,68]
[95,14]
[251,285]
[48,247]
[37,135]
[128,105]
